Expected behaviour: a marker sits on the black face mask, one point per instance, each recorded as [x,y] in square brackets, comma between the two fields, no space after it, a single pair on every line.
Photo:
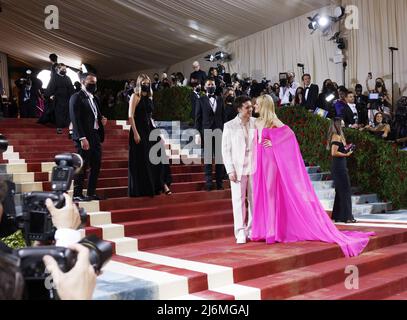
[62,73]
[145,88]
[198,89]
[211,90]
[156,79]
[91,87]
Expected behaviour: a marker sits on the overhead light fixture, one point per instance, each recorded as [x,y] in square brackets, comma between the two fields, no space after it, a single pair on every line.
[323,21]
[220,55]
[339,12]
[210,58]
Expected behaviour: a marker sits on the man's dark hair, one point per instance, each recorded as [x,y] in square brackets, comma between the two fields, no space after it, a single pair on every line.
[343,89]
[53,57]
[210,79]
[306,75]
[87,74]
[358,87]
[240,101]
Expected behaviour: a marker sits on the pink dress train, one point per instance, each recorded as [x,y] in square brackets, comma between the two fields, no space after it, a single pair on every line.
[286,207]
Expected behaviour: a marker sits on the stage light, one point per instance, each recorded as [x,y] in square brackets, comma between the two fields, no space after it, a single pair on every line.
[45,77]
[323,21]
[220,55]
[339,12]
[210,58]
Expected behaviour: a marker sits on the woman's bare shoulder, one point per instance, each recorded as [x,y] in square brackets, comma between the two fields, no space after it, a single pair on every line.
[278,123]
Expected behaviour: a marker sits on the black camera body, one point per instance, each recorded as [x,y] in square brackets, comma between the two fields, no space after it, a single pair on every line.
[33,268]
[35,220]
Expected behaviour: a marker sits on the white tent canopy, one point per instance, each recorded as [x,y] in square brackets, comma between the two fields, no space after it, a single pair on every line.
[122,36]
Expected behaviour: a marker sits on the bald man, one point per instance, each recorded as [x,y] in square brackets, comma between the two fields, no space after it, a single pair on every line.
[198,74]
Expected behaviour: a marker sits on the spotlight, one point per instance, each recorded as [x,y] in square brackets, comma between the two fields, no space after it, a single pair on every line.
[323,21]
[339,12]
[210,58]
[45,77]
[221,55]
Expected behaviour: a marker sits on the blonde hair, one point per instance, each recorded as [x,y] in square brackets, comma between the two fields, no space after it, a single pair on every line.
[140,79]
[267,110]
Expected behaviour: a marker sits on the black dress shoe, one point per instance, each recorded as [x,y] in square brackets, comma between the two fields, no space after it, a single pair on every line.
[208,187]
[95,197]
[80,199]
[219,187]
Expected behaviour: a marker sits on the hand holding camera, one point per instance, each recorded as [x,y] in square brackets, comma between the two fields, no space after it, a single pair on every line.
[77,284]
[67,217]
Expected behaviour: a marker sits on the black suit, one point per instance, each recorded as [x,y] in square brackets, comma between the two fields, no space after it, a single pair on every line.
[194,98]
[83,120]
[310,102]
[200,76]
[207,119]
[349,117]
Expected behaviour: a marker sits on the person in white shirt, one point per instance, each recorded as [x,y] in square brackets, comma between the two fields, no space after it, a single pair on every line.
[287,93]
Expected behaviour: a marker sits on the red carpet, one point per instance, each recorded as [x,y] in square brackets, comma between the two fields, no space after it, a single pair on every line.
[187,233]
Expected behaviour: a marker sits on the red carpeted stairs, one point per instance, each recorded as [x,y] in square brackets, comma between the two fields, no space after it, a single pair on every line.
[197,226]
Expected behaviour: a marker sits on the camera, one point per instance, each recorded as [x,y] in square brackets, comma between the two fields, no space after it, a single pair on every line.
[31,265]
[351,148]
[33,268]
[35,220]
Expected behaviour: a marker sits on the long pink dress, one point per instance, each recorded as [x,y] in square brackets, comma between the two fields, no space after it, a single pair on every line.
[286,207]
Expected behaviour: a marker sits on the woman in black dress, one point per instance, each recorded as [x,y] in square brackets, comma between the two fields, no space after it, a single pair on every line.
[145,178]
[342,211]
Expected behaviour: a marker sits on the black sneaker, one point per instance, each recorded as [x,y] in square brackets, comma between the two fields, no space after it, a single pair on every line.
[208,187]
[59,131]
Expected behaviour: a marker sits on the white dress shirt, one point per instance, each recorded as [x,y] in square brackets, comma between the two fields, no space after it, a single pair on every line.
[213,103]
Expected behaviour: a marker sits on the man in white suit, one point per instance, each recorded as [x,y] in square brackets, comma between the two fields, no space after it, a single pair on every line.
[237,152]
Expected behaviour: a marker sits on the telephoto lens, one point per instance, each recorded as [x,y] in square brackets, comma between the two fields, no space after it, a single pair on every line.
[100,251]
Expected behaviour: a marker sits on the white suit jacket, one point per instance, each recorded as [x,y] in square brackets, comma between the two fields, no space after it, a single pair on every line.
[234,146]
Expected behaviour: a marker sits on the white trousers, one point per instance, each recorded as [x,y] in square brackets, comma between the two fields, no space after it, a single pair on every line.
[239,191]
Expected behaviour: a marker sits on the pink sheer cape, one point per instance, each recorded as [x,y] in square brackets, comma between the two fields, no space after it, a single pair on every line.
[286,207]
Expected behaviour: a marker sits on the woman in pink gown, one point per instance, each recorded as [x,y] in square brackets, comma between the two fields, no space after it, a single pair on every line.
[286,207]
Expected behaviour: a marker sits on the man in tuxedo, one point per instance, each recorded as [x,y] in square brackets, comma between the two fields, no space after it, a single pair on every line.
[195,95]
[209,121]
[156,85]
[198,73]
[88,134]
[350,114]
[311,92]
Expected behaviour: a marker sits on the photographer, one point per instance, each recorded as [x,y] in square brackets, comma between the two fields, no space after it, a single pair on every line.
[383,104]
[288,89]
[77,284]
[29,91]
[361,105]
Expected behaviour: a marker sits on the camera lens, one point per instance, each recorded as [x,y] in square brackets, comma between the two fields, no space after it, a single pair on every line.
[99,251]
